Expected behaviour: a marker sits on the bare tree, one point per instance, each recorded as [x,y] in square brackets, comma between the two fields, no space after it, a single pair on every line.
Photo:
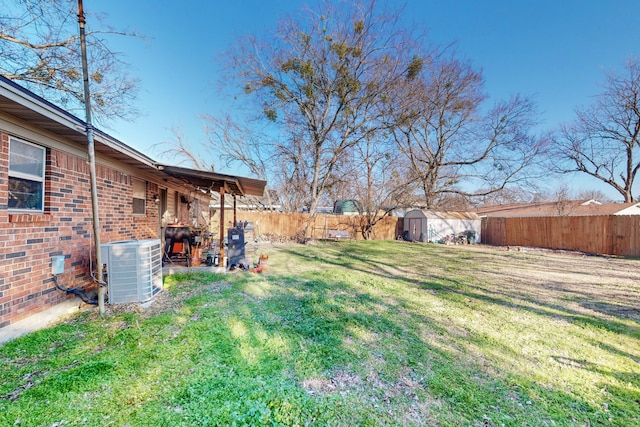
[332,82]
[293,173]
[452,145]
[603,141]
[507,196]
[182,152]
[369,176]
[562,199]
[596,195]
[319,80]
[238,144]
[242,145]
[282,163]
[39,48]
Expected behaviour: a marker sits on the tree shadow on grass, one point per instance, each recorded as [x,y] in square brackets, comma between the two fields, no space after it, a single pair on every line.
[308,349]
[470,291]
[320,320]
[458,384]
[382,266]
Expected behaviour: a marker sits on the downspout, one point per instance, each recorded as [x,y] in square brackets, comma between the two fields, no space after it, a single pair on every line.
[102,290]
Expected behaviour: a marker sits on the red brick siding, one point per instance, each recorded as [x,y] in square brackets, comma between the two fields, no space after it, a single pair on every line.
[27,242]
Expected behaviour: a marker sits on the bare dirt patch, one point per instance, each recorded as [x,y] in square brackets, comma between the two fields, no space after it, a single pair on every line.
[588,284]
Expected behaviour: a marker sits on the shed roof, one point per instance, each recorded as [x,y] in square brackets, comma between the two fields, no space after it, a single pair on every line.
[441,214]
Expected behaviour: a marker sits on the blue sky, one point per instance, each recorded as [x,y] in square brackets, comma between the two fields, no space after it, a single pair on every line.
[556,51]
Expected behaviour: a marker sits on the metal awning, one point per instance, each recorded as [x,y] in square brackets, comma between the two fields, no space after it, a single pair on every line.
[213,181]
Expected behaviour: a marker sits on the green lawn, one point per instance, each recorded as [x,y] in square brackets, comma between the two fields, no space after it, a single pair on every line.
[349,334]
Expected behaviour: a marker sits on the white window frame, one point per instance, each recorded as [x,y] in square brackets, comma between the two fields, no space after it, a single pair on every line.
[40,178]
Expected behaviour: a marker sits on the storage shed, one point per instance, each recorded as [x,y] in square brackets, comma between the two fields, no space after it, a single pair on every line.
[429,226]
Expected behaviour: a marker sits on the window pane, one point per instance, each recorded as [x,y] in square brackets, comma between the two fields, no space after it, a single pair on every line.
[139,196]
[139,189]
[138,206]
[25,194]
[26,158]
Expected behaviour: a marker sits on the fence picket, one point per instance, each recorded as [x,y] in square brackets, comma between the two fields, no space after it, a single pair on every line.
[605,234]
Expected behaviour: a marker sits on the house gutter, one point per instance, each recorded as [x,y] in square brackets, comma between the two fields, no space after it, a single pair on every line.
[33,102]
[41,106]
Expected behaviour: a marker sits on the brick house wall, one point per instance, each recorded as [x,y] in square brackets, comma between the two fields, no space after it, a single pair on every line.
[56,215]
[28,241]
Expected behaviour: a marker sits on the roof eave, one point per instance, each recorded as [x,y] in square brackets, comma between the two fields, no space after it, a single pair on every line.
[213,181]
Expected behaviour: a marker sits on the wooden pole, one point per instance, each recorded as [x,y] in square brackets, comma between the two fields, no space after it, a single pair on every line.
[102,290]
[222,227]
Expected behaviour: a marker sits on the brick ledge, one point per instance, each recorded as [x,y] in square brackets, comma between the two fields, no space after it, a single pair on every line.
[29,218]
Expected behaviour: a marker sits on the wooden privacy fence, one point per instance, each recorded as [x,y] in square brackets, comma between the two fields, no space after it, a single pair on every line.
[607,234]
[610,234]
[291,225]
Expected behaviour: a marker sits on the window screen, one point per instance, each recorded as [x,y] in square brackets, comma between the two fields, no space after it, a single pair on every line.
[26,176]
[139,196]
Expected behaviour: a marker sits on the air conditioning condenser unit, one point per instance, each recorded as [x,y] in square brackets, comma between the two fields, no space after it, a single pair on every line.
[134,269]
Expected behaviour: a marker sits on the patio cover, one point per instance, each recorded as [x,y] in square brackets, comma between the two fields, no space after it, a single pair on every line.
[213,181]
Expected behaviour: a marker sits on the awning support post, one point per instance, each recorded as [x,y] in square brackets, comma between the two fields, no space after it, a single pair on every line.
[222,228]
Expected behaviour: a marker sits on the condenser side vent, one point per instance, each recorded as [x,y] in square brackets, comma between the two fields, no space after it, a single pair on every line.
[134,269]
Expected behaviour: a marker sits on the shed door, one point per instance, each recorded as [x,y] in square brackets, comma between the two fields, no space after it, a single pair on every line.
[415,228]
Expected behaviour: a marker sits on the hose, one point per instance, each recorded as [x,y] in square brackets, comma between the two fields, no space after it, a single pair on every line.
[80,293]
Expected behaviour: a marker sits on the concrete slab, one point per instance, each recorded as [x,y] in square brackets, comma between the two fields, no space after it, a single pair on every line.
[40,320]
